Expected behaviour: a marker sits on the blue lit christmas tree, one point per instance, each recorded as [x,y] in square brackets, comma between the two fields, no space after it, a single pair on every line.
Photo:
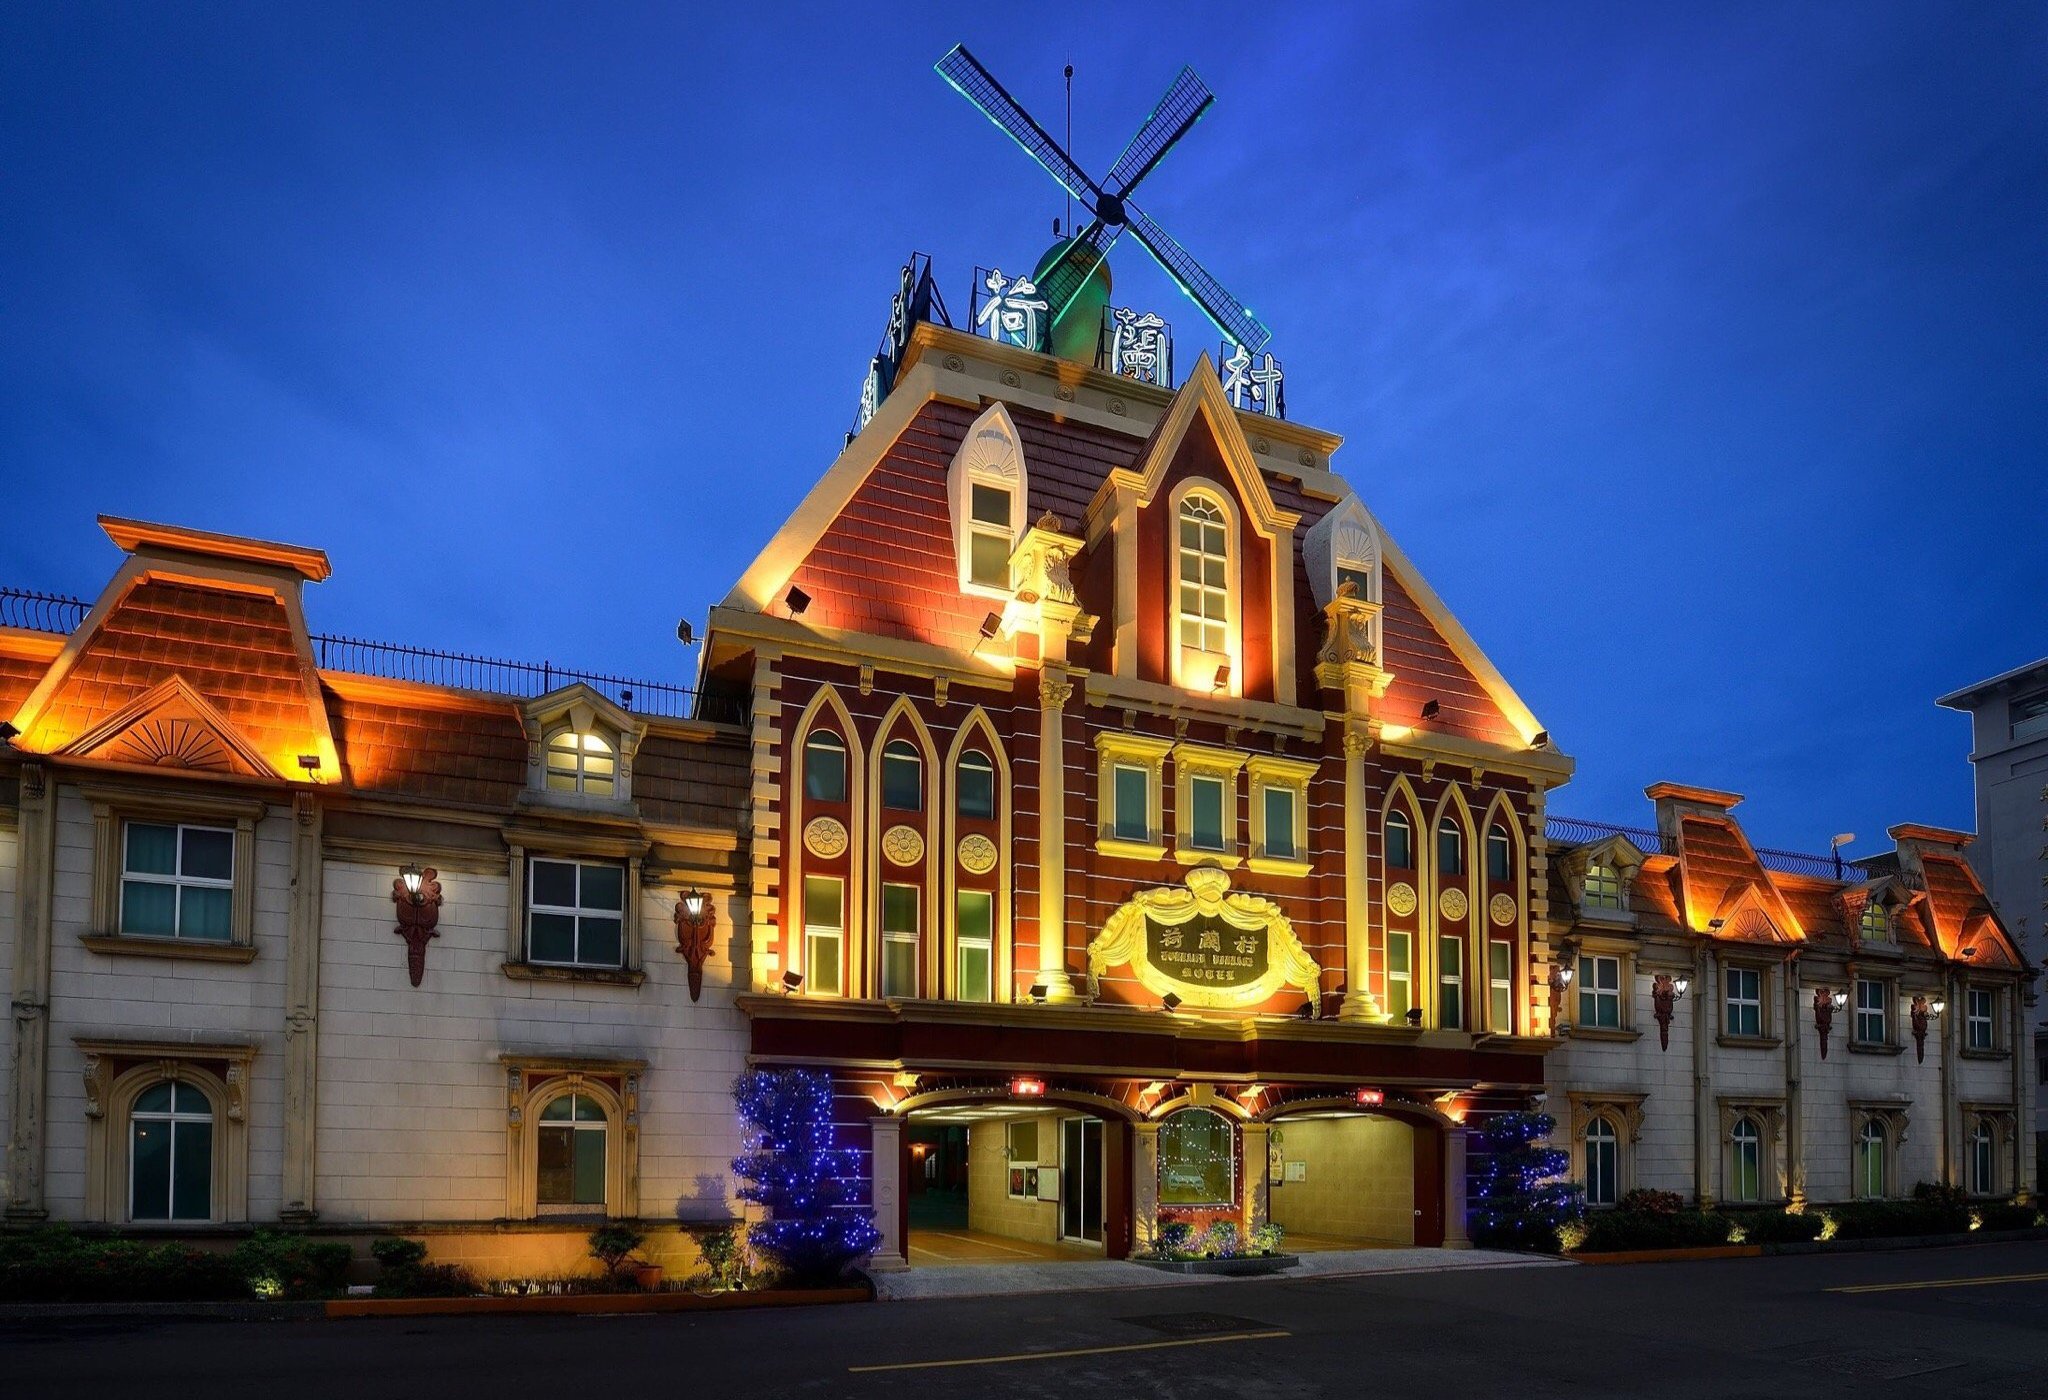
[792,1170]
[1522,1196]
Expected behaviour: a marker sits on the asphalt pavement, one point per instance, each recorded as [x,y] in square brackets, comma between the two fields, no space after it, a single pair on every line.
[1966,1320]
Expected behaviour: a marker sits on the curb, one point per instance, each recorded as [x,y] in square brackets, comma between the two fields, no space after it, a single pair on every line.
[1752,1251]
[232,1311]
[591,1304]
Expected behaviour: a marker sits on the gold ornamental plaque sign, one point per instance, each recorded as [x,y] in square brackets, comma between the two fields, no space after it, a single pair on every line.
[1206,945]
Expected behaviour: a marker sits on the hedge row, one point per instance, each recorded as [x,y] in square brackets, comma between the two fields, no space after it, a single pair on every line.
[55,1265]
[1650,1221]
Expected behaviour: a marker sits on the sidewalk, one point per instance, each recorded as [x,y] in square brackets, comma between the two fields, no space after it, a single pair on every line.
[983,1280]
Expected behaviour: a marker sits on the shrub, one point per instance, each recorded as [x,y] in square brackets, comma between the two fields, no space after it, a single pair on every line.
[1265,1239]
[1778,1226]
[1944,1202]
[56,1266]
[1612,1231]
[2011,1215]
[279,1265]
[721,1251]
[1175,1238]
[428,1281]
[1643,1201]
[1222,1240]
[1884,1220]
[395,1253]
[613,1242]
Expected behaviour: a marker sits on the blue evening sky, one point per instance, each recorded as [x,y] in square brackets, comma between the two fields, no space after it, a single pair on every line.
[1698,354]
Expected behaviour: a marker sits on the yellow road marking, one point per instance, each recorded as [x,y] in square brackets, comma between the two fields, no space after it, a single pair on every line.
[1075,1351]
[1939,1283]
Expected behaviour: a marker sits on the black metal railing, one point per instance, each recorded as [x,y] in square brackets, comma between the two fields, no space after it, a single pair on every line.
[520,679]
[41,612]
[1573,831]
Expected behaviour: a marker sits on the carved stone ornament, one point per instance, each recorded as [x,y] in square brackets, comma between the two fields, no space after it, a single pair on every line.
[1501,909]
[903,845]
[1347,635]
[977,854]
[1401,899]
[1453,904]
[825,837]
[1207,903]
[417,920]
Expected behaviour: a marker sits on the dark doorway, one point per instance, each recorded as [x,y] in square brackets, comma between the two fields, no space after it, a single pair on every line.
[1081,1180]
[937,1189]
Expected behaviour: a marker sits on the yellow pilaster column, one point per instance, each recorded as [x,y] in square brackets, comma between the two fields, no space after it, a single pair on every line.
[1359,1003]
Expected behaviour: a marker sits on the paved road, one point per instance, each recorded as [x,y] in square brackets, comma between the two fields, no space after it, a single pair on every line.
[1928,1322]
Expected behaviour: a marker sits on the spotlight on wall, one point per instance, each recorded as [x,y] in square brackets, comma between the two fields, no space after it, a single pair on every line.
[8,733]
[685,634]
[991,623]
[1541,741]
[1430,708]
[411,876]
[1222,681]
[1414,1016]
[1968,950]
[310,763]
[1039,993]
[792,982]
[797,601]
[1714,925]
[1307,1012]
[1170,1001]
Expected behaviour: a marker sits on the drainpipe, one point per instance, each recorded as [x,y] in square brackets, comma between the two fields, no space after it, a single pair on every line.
[1705,980]
[1795,1137]
[1951,1016]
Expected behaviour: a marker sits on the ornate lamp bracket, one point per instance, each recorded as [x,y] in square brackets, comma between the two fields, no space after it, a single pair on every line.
[417,895]
[696,920]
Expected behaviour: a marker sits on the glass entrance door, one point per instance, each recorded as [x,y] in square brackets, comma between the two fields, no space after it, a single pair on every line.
[1081,1179]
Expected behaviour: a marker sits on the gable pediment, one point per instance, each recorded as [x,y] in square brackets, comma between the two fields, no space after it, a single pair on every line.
[171,726]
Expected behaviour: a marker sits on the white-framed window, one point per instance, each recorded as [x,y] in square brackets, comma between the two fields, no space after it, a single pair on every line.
[1983,1159]
[1500,986]
[1500,855]
[1746,1161]
[1874,925]
[991,529]
[1278,810]
[1980,1019]
[1873,1011]
[899,940]
[986,487]
[1359,576]
[1450,848]
[1207,799]
[1132,799]
[1400,975]
[1400,841]
[2030,716]
[902,776]
[177,881]
[1599,978]
[570,1171]
[582,761]
[1743,1002]
[1602,889]
[1450,979]
[974,917]
[824,933]
[976,795]
[824,767]
[575,913]
[1603,1163]
[1872,1152]
[1204,614]
[170,1154]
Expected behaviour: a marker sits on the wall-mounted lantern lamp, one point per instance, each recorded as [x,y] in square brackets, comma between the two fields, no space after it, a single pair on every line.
[417,895]
[695,922]
[1665,991]
[1825,1005]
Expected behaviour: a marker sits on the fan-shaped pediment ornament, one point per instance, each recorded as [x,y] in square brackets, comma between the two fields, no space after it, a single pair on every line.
[171,726]
[991,449]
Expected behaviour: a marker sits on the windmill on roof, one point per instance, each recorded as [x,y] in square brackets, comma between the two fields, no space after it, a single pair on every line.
[1073,276]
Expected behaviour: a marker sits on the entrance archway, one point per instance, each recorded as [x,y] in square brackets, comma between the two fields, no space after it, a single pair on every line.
[996,1179]
[1340,1176]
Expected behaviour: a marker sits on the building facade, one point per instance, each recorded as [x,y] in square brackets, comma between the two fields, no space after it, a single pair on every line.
[2009,757]
[1082,775]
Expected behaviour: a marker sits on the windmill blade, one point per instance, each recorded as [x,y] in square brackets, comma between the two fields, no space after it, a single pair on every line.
[1231,316]
[978,85]
[1180,109]
[1064,280]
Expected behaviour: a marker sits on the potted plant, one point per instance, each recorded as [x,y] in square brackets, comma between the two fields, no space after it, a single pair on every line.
[612,1245]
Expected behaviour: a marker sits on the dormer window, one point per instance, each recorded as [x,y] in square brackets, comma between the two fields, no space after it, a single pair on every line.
[1602,889]
[1875,924]
[987,488]
[581,761]
[989,532]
